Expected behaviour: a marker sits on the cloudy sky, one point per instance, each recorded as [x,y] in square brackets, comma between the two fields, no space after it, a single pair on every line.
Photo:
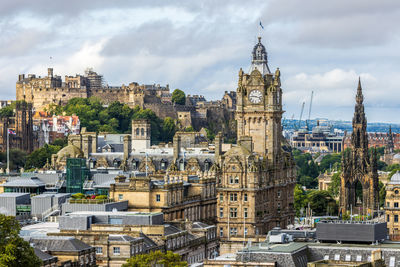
[199,46]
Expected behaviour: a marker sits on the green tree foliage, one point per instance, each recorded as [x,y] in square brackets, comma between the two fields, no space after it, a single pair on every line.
[300,198]
[6,112]
[210,134]
[156,258]
[189,129]
[14,251]
[39,157]
[330,161]
[168,128]
[307,171]
[116,118]
[178,97]
[334,186]
[61,142]
[17,158]
[322,203]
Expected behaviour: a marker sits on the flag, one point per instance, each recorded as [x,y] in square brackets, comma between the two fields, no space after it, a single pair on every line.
[261,25]
[10,131]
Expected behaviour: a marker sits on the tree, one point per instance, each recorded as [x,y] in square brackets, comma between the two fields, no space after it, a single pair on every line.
[300,198]
[168,129]
[334,186]
[14,251]
[156,258]
[39,157]
[178,97]
[321,202]
[330,161]
[17,158]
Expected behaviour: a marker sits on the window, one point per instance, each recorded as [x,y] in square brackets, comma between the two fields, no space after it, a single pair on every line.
[221,212]
[279,194]
[326,257]
[245,231]
[388,204]
[233,212]
[137,131]
[233,231]
[245,212]
[348,257]
[233,196]
[245,197]
[221,197]
[142,130]
[396,204]
[230,179]
[120,197]
[396,218]
[99,250]
[116,250]
[221,232]
[236,180]
[337,257]
[396,191]
[158,198]
[359,258]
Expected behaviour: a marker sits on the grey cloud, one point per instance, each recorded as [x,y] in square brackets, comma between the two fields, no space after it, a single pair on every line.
[336,24]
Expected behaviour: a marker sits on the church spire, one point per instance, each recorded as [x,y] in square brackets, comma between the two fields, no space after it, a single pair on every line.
[389,145]
[359,97]
[359,136]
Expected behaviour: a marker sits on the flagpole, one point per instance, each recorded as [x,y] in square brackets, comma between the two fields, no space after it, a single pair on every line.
[8,152]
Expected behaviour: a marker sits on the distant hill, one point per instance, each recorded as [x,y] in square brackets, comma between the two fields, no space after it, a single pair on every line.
[381,127]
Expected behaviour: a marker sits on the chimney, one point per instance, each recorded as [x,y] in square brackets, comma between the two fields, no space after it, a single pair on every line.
[218,146]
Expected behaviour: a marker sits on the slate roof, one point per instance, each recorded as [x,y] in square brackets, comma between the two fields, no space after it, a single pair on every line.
[148,243]
[123,238]
[59,243]
[200,225]
[42,255]
[170,229]
[25,182]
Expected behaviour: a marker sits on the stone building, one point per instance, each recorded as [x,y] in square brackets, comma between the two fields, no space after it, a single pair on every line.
[359,170]
[22,125]
[392,208]
[320,139]
[257,177]
[117,236]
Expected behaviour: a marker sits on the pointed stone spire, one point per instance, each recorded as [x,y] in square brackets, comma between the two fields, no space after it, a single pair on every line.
[359,136]
[390,144]
[359,97]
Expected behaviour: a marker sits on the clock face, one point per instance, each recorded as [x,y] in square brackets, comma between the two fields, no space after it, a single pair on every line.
[255,96]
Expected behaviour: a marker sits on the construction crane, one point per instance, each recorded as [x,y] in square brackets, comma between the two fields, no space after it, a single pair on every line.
[309,111]
[301,114]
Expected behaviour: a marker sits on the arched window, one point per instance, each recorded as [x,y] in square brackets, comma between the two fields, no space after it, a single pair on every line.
[142,131]
[137,131]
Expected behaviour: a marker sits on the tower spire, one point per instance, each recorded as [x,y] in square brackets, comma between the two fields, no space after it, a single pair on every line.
[359,136]
[259,58]
[359,97]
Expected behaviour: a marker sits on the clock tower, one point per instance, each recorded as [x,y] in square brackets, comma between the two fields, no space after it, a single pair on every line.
[256,177]
[259,104]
